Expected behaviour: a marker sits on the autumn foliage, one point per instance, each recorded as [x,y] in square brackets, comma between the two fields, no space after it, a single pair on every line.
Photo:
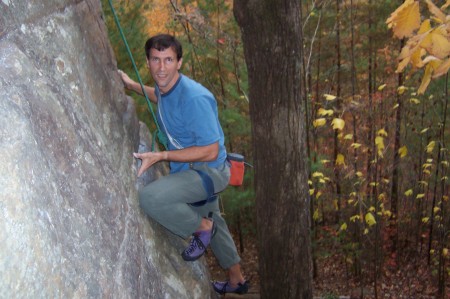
[428,44]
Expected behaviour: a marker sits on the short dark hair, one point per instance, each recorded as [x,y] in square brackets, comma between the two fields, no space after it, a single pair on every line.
[162,42]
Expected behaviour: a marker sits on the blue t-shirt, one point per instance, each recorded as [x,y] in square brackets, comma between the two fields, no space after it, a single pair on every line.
[188,114]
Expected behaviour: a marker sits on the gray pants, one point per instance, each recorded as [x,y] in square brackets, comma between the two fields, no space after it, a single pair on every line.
[167,199]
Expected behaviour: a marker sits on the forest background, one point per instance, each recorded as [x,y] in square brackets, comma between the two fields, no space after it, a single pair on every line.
[377,132]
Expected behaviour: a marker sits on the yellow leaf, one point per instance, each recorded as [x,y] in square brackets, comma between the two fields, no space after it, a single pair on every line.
[322,181]
[340,159]
[444,252]
[436,11]
[348,137]
[426,77]
[388,213]
[381,87]
[343,227]
[319,193]
[395,106]
[325,112]
[366,231]
[442,69]
[338,124]
[382,132]
[311,191]
[436,210]
[430,147]
[405,19]
[372,209]
[317,174]
[370,219]
[319,122]
[401,89]
[440,45]
[425,80]
[445,198]
[310,182]
[335,204]
[359,174]
[355,145]
[425,26]
[329,97]
[409,192]
[426,165]
[414,101]
[354,218]
[425,219]
[379,142]
[424,130]
[447,4]
[432,251]
[416,57]
[324,161]
[316,215]
[405,58]
[403,151]
[350,201]
[414,48]
[419,196]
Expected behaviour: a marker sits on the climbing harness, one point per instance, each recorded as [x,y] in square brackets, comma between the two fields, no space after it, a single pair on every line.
[161,136]
[208,185]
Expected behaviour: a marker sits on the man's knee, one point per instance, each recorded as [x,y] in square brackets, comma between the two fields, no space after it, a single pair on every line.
[147,201]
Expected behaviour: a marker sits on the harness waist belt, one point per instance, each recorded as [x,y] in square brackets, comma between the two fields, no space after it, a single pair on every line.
[208,184]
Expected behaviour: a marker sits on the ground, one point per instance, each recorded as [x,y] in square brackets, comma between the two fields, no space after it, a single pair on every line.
[411,279]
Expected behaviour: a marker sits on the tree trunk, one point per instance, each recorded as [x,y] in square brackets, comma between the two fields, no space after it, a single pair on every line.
[272,36]
[337,175]
[396,164]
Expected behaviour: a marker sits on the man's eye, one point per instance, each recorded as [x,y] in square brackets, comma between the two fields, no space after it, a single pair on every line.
[169,60]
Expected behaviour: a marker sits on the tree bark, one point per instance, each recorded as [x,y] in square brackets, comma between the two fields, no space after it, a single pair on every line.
[271,31]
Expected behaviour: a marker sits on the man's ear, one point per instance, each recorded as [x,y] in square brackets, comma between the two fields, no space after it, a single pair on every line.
[148,62]
[180,62]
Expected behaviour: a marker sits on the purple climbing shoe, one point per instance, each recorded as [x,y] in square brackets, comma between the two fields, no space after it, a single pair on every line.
[198,244]
[223,287]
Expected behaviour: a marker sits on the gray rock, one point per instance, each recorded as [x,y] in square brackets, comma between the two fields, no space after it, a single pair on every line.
[70,222]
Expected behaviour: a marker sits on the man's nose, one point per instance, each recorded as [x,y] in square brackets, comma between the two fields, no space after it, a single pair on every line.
[162,65]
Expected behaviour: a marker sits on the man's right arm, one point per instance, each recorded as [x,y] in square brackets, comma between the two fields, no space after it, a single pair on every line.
[132,85]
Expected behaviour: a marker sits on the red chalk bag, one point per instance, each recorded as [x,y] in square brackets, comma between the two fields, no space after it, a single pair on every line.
[237,169]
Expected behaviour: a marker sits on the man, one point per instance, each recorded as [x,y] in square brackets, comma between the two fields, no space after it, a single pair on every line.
[187,112]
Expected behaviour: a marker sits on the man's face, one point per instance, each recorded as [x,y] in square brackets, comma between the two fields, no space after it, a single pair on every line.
[164,68]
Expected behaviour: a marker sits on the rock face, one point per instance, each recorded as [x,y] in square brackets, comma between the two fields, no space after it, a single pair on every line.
[70,222]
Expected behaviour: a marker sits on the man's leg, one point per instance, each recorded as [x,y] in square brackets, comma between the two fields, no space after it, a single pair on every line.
[226,253]
[165,200]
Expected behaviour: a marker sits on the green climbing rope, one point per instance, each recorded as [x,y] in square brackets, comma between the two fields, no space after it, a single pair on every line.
[161,136]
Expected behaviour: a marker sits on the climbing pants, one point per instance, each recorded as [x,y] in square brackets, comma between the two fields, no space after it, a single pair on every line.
[167,199]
